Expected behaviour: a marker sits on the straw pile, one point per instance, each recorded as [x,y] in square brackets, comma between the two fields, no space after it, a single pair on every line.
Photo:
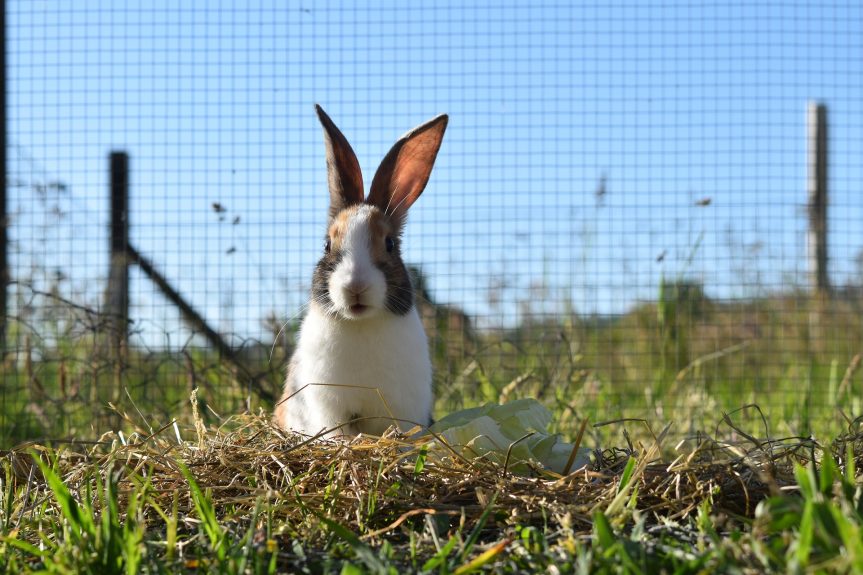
[252,461]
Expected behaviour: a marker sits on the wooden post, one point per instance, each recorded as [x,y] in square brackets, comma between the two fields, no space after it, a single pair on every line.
[5,276]
[117,296]
[817,206]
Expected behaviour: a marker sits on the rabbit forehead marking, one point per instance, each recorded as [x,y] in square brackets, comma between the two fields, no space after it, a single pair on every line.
[359,225]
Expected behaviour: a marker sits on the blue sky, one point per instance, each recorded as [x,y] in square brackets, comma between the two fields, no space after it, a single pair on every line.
[670,102]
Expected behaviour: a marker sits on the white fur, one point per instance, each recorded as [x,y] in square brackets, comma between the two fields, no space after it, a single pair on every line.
[356,279]
[357,359]
[370,364]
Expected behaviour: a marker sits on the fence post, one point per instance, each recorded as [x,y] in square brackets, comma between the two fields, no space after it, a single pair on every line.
[817,206]
[117,296]
[5,275]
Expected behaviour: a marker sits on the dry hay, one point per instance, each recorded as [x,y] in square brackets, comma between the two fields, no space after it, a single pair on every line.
[374,486]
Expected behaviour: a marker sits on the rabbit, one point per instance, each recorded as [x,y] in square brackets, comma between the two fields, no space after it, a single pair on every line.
[362,362]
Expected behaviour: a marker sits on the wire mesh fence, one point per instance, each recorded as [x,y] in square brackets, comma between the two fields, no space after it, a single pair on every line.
[621,219]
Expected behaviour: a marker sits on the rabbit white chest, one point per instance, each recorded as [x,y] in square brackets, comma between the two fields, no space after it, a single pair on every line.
[373,370]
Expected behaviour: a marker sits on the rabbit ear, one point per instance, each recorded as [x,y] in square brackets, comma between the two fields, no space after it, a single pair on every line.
[405,170]
[343,170]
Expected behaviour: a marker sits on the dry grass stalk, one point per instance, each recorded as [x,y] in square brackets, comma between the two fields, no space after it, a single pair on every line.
[247,461]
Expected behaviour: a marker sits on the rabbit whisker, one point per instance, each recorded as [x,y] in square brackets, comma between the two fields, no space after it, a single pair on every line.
[389,202]
[396,287]
[329,309]
[403,200]
[301,311]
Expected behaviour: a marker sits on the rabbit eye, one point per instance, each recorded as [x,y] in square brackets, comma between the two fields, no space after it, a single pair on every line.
[327,246]
[390,244]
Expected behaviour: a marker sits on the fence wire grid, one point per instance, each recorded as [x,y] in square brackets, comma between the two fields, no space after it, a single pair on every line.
[620,221]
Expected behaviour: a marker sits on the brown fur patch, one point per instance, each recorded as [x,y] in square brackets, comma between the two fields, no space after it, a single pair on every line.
[379,227]
[339,226]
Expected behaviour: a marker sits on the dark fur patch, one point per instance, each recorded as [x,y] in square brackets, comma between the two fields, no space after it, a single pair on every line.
[400,297]
[400,293]
[321,278]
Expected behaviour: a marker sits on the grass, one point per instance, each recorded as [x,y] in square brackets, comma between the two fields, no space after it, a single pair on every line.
[684,358]
[730,435]
[245,498]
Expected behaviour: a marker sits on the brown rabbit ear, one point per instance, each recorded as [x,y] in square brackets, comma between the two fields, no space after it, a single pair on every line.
[405,170]
[343,170]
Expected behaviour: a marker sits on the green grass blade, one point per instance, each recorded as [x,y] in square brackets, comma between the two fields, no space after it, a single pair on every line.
[133,531]
[829,474]
[626,476]
[365,553]
[109,524]
[602,531]
[26,547]
[421,461]
[805,481]
[806,534]
[477,529]
[851,535]
[206,512]
[80,522]
[440,557]
[624,485]
[9,496]
[850,465]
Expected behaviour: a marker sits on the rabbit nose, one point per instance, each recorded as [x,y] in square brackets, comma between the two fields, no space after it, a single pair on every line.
[356,287]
